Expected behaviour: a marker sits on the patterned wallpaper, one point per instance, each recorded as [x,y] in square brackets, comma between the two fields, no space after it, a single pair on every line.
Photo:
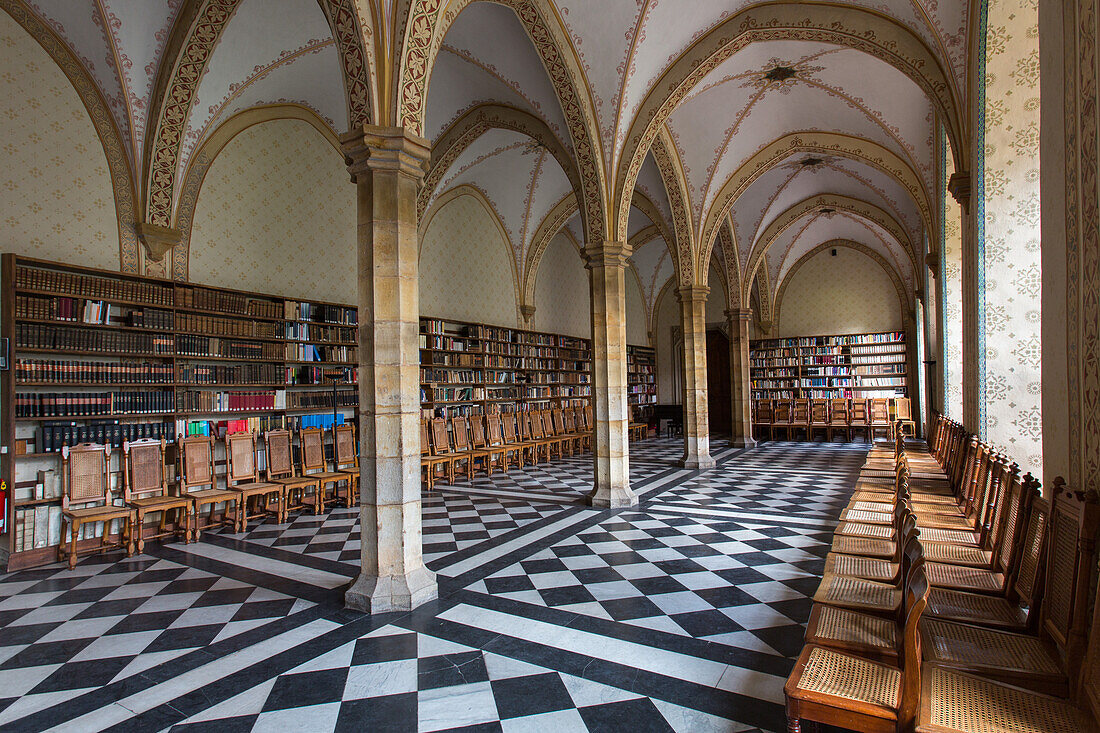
[56,200]
[952,294]
[849,293]
[1012,378]
[276,213]
[465,266]
[562,301]
[637,328]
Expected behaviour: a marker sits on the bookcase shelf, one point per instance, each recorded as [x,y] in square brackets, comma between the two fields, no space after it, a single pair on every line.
[862,365]
[641,375]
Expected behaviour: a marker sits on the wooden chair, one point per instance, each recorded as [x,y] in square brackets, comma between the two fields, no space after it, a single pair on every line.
[569,425]
[568,439]
[481,450]
[838,420]
[852,692]
[441,453]
[86,481]
[533,433]
[880,418]
[556,440]
[346,460]
[243,476]
[903,414]
[196,470]
[299,491]
[762,419]
[495,440]
[583,426]
[515,441]
[460,434]
[311,442]
[146,482]
[781,418]
[800,418]
[859,421]
[819,418]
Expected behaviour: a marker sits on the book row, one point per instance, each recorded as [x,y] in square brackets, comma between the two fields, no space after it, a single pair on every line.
[52,436]
[306,375]
[61,371]
[315,332]
[227,348]
[64,338]
[209,401]
[233,303]
[219,326]
[315,352]
[87,404]
[231,374]
[90,286]
[320,313]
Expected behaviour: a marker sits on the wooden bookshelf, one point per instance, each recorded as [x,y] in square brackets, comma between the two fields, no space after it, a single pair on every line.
[641,375]
[864,365]
[474,368]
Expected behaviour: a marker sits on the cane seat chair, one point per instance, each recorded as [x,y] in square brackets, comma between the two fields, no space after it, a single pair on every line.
[243,476]
[781,418]
[570,427]
[575,423]
[514,441]
[853,692]
[146,491]
[463,451]
[819,418]
[763,419]
[346,460]
[311,443]
[533,424]
[903,416]
[886,570]
[441,453]
[880,418]
[494,440]
[845,591]
[839,415]
[488,455]
[300,492]
[859,421]
[800,419]
[86,499]
[556,443]
[196,470]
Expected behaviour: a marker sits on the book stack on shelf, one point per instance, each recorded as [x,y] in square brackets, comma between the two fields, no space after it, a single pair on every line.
[865,365]
[641,375]
[472,368]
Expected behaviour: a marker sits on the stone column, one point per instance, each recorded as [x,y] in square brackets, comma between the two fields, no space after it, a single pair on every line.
[693,319]
[740,326]
[606,264]
[387,166]
[959,186]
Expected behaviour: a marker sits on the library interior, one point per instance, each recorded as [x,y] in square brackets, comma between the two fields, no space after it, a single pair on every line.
[528,365]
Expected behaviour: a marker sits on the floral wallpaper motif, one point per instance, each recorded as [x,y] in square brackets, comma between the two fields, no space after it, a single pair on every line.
[637,327]
[56,200]
[562,300]
[849,293]
[951,246]
[276,213]
[1012,379]
[465,266]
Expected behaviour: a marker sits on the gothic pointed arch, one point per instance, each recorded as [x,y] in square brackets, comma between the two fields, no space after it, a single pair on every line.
[353,35]
[823,143]
[469,127]
[671,169]
[860,208]
[732,262]
[843,25]
[425,27]
[118,161]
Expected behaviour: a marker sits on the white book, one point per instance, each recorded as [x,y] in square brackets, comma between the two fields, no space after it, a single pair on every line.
[41,525]
[53,535]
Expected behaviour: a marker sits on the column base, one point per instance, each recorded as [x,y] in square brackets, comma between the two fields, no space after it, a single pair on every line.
[743,442]
[697,463]
[372,594]
[619,497]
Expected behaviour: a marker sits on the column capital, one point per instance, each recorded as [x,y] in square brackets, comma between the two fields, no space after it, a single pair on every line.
[692,293]
[157,239]
[959,187]
[606,253]
[738,314]
[527,311]
[371,147]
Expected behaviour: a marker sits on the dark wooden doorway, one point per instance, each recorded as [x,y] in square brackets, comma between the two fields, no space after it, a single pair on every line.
[718,382]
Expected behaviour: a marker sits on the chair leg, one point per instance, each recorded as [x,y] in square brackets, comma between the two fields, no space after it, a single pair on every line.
[141,524]
[72,545]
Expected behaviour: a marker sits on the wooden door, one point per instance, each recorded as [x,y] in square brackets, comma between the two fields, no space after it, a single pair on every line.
[718,382]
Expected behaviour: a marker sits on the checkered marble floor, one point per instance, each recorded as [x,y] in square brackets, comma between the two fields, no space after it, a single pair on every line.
[682,614]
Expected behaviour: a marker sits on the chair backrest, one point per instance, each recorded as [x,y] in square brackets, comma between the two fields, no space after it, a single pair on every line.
[781,412]
[535,421]
[880,411]
[477,431]
[312,443]
[569,422]
[1027,580]
[144,474]
[1070,560]
[902,409]
[819,411]
[459,434]
[343,441]
[240,456]
[916,600]
[559,422]
[800,413]
[492,420]
[84,469]
[858,416]
[763,411]
[838,411]
[425,444]
[196,457]
[280,456]
[549,429]
[441,440]
[508,424]
[1017,503]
